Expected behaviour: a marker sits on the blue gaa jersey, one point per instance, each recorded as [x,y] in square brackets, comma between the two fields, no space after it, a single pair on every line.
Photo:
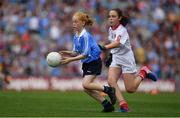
[85,44]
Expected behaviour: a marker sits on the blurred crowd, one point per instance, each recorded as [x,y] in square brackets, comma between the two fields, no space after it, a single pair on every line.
[29,29]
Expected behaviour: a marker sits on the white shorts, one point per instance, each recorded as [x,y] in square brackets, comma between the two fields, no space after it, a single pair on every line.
[126,62]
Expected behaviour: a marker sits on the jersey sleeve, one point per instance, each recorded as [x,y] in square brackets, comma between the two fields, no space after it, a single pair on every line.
[121,37]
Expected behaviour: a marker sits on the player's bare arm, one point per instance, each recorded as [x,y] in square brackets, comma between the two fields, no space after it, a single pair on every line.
[70,59]
[67,52]
[112,45]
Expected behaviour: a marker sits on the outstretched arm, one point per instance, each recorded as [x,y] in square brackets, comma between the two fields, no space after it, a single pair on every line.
[109,46]
[70,59]
[116,43]
[67,52]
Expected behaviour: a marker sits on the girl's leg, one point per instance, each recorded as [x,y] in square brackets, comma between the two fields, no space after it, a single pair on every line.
[90,88]
[108,107]
[95,94]
[131,82]
[113,77]
[90,85]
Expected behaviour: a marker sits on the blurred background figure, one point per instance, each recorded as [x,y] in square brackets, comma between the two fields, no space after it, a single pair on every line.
[29,29]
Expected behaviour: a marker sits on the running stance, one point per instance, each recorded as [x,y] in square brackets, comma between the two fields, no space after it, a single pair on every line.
[123,62]
[86,49]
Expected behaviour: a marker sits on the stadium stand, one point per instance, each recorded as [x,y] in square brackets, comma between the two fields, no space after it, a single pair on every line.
[29,29]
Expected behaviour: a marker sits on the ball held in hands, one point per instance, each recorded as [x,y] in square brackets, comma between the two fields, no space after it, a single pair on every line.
[54,59]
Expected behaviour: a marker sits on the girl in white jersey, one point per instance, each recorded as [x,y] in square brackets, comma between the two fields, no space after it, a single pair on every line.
[123,62]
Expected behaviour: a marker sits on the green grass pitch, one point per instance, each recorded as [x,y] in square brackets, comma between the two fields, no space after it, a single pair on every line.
[70,104]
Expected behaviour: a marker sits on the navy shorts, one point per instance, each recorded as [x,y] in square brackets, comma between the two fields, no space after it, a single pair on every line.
[92,68]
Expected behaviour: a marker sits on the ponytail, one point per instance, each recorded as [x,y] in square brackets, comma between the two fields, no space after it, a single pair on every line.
[88,20]
[84,17]
[124,20]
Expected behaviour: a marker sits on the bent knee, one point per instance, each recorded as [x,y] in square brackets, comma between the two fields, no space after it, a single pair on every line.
[131,89]
[112,82]
[85,86]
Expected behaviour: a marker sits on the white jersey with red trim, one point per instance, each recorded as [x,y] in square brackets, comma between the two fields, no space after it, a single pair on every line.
[123,56]
[121,36]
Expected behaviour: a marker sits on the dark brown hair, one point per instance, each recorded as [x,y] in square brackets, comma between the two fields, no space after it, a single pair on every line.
[124,19]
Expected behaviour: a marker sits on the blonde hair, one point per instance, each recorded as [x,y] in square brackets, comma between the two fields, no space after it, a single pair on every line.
[84,17]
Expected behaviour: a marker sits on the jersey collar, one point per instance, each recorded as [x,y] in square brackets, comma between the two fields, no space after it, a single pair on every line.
[115,27]
[82,32]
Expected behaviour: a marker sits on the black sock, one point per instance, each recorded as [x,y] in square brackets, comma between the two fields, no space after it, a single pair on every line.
[105,102]
[106,89]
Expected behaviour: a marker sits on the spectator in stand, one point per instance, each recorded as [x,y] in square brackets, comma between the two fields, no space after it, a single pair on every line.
[162,31]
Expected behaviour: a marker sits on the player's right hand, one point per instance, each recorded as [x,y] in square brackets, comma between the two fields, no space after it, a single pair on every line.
[102,47]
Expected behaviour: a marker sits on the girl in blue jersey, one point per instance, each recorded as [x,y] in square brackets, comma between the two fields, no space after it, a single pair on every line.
[86,49]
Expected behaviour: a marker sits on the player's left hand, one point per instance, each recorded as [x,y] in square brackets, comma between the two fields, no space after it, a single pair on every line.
[65,60]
